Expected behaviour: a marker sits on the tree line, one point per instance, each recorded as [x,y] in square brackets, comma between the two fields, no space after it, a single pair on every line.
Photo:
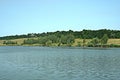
[87,34]
[63,40]
[51,40]
[96,42]
[98,38]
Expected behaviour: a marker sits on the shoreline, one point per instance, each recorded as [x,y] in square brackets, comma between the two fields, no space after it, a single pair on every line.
[77,43]
[118,46]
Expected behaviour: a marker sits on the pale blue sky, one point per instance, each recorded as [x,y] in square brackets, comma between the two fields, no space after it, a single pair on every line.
[37,16]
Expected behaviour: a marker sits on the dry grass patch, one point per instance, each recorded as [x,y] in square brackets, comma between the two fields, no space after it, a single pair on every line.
[114,41]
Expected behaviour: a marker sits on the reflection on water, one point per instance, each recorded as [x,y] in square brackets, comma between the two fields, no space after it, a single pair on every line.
[43,63]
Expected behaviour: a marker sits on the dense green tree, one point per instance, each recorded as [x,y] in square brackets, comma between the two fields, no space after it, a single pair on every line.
[84,41]
[63,39]
[53,38]
[49,43]
[30,41]
[43,40]
[104,39]
[88,34]
[67,39]
[95,41]
[70,39]
[9,42]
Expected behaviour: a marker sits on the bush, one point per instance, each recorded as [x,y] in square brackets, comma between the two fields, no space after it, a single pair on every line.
[9,42]
[114,45]
[30,41]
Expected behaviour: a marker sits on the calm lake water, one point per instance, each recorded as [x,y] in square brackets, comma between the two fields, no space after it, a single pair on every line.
[45,63]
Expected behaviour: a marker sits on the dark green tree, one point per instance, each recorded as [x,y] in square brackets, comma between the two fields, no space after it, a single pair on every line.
[53,38]
[49,43]
[70,39]
[9,42]
[67,39]
[95,41]
[63,39]
[104,39]
[43,40]
[30,41]
[84,41]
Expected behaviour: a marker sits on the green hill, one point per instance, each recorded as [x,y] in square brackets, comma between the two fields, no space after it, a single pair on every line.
[88,38]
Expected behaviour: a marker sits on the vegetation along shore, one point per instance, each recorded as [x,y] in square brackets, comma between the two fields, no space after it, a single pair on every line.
[84,38]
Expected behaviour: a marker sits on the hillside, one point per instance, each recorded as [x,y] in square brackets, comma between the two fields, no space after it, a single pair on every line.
[89,38]
[76,43]
[88,34]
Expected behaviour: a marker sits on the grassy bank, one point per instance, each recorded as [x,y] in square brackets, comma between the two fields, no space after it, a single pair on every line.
[110,41]
[78,42]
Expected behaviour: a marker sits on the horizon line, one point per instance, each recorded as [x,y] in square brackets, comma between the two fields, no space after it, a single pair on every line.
[56,31]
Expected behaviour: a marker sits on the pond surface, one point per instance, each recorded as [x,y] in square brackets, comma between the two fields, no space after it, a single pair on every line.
[47,63]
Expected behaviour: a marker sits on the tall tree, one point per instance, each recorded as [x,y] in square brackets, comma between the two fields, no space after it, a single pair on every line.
[104,39]
[95,41]
[84,41]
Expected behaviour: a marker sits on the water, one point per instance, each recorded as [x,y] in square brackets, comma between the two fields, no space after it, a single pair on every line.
[45,63]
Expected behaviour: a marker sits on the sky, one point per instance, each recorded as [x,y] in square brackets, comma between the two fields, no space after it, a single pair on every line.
[37,16]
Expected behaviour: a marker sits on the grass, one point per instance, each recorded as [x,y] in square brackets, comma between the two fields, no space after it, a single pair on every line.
[19,41]
[80,41]
[114,41]
[110,41]
[77,41]
[1,42]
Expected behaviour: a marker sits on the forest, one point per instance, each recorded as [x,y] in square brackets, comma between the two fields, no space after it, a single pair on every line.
[88,34]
